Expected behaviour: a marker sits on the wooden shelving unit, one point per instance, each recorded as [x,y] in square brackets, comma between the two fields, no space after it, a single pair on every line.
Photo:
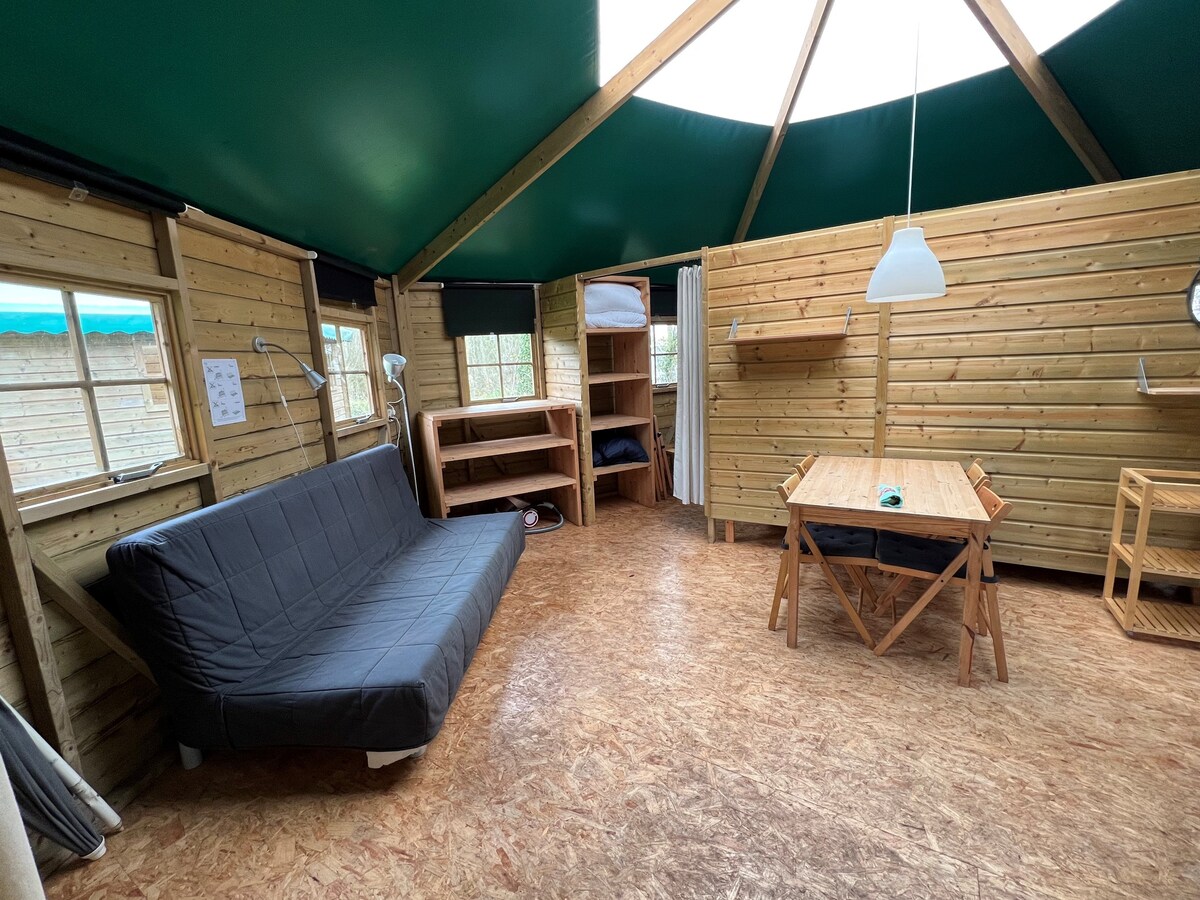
[606,371]
[745,333]
[558,441]
[1152,491]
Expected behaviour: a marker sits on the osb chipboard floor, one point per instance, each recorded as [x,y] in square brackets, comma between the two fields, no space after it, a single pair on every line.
[630,728]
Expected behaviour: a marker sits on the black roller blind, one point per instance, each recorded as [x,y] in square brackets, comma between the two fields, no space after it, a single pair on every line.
[488,309]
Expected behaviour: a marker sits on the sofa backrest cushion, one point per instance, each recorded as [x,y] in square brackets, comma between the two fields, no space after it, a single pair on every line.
[214,595]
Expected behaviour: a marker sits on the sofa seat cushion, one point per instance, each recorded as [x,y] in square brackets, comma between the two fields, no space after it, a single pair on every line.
[929,555]
[379,672]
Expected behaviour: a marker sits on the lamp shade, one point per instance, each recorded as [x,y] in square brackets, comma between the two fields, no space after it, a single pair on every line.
[315,379]
[908,271]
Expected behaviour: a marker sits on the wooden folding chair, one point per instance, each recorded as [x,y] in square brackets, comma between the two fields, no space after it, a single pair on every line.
[839,544]
[803,467]
[943,561]
[977,476]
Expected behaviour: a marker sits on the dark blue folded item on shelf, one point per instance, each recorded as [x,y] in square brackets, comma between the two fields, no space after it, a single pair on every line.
[611,449]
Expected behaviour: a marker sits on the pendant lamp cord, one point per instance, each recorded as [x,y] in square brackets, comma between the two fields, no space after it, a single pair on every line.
[912,136]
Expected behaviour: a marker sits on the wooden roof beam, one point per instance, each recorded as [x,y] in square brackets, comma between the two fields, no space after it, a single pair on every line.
[594,112]
[807,49]
[1043,86]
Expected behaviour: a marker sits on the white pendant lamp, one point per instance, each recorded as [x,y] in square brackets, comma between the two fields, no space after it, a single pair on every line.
[908,270]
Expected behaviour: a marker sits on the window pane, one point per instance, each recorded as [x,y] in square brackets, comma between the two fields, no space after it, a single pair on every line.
[120,337]
[481,349]
[484,382]
[333,349]
[666,338]
[361,401]
[666,369]
[34,343]
[136,432]
[518,381]
[516,348]
[354,347]
[46,437]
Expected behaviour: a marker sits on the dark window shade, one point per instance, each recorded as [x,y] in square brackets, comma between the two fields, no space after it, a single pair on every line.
[488,309]
[31,157]
[664,301]
[340,280]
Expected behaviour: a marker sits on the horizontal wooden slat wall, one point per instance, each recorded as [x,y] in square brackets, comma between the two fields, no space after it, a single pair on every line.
[771,404]
[1029,362]
[235,292]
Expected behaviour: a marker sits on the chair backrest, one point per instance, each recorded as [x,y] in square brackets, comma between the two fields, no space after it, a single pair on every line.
[977,476]
[786,487]
[802,468]
[996,508]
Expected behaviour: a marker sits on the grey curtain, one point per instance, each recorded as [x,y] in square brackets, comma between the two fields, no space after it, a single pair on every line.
[46,805]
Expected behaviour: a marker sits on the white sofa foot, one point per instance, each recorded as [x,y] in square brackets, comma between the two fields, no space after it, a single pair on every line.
[190,756]
[377,760]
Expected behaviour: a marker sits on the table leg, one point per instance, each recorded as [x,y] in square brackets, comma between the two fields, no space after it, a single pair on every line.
[793,578]
[966,646]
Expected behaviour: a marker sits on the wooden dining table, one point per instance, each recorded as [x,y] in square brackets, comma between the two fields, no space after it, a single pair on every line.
[939,501]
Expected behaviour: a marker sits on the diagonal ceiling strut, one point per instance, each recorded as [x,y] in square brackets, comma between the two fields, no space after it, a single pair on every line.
[807,49]
[1043,86]
[606,101]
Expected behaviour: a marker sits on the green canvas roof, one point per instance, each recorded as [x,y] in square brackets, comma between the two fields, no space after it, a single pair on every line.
[364,129]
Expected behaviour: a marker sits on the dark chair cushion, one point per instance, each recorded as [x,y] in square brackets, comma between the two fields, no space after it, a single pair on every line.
[611,449]
[907,551]
[841,540]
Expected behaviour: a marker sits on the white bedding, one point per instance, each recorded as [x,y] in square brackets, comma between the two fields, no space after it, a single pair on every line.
[610,305]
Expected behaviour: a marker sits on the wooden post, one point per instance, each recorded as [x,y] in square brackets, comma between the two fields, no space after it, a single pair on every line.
[312,312]
[27,622]
[186,356]
[882,355]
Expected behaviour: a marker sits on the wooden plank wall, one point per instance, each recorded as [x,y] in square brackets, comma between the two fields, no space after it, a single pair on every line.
[771,404]
[235,292]
[1029,362]
[433,358]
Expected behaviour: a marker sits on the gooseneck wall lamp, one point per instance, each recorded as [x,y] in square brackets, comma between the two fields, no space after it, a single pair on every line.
[315,379]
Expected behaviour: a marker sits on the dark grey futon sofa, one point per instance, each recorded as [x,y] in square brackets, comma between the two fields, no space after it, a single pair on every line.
[322,610]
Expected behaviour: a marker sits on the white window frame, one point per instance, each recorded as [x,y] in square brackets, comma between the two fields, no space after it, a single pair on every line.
[663,320]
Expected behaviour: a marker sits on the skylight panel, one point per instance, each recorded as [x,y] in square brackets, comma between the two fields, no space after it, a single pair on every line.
[740,66]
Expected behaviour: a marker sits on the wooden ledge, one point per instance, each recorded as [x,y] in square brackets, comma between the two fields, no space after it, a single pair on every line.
[42,509]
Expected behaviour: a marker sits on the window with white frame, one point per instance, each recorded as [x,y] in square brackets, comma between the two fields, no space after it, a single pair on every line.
[664,352]
[498,367]
[350,375]
[85,384]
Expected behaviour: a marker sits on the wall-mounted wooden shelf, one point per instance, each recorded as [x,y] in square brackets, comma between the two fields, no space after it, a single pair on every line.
[1145,388]
[748,334]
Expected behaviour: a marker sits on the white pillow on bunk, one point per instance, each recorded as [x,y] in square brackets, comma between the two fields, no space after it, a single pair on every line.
[613,305]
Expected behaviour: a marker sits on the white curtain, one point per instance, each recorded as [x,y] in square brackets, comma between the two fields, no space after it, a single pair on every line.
[690,399]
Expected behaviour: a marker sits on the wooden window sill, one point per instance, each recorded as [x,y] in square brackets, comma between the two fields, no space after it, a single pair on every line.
[356,427]
[41,509]
[666,388]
